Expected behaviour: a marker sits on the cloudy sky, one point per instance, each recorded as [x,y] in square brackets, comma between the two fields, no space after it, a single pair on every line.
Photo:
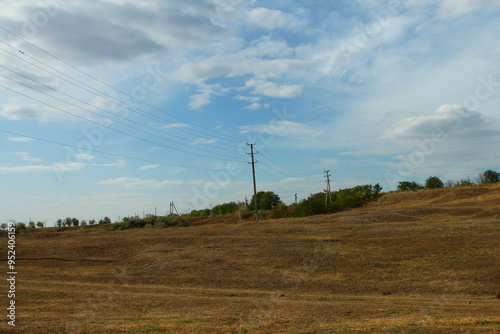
[116,107]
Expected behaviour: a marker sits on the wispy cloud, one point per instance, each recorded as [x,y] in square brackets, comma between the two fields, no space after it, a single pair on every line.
[140,184]
[25,156]
[148,167]
[19,139]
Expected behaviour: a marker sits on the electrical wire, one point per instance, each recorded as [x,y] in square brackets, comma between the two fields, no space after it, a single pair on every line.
[105,96]
[108,153]
[119,122]
[234,139]
[116,130]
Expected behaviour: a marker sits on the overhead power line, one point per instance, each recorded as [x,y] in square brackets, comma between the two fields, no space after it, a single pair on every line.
[116,130]
[113,120]
[108,153]
[112,87]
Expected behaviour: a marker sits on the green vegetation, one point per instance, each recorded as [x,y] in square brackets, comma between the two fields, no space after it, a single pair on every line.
[269,201]
[150,221]
[266,200]
[434,182]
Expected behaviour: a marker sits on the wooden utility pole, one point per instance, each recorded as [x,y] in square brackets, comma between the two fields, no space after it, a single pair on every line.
[254,182]
[327,187]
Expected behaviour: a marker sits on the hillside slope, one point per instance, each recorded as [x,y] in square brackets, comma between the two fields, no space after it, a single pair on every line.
[417,262]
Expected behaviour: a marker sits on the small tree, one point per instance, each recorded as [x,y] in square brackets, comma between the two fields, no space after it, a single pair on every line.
[409,185]
[105,220]
[20,227]
[75,221]
[3,226]
[31,225]
[40,224]
[266,200]
[67,221]
[434,182]
[489,176]
[92,222]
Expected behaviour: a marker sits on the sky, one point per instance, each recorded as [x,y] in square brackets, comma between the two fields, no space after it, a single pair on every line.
[118,108]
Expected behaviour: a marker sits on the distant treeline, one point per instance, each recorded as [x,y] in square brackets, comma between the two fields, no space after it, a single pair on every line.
[315,204]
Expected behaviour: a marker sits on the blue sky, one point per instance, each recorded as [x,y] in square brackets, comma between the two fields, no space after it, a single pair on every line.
[115,108]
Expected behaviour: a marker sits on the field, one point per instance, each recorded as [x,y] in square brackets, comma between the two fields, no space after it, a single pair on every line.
[417,262]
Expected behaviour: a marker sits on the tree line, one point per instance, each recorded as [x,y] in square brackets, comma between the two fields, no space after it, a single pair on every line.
[434,182]
[315,204]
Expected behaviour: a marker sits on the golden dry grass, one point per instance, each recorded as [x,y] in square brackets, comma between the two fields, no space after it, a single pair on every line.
[421,262]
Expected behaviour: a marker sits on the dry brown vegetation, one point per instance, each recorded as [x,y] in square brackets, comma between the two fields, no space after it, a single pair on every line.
[416,262]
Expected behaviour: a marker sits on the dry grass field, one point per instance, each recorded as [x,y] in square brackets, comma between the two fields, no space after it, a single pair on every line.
[416,262]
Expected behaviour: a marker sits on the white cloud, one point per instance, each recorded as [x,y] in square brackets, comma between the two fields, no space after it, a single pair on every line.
[84,156]
[148,167]
[274,19]
[20,139]
[204,141]
[203,98]
[253,106]
[58,167]
[133,183]
[25,156]
[174,125]
[284,129]
[271,89]
[455,8]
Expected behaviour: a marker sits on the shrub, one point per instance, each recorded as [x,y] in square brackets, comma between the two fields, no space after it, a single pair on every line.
[409,185]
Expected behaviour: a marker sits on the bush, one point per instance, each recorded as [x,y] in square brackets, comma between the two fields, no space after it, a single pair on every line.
[150,221]
[409,185]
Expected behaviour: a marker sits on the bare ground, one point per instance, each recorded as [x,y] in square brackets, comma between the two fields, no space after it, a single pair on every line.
[418,262]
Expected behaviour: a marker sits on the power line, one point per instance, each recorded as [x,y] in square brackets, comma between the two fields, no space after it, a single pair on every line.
[108,85]
[116,130]
[91,105]
[283,164]
[108,153]
[81,85]
[113,120]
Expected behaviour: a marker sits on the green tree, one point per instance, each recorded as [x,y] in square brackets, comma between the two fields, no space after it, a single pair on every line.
[83,223]
[92,222]
[67,221]
[3,226]
[489,176]
[266,200]
[40,224]
[20,227]
[434,182]
[75,221]
[409,185]
[105,220]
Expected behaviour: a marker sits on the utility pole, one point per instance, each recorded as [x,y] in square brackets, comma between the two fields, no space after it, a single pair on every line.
[173,209]
[327,187]
[254,182]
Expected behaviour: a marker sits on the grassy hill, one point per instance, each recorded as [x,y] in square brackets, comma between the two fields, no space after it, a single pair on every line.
[415,262]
